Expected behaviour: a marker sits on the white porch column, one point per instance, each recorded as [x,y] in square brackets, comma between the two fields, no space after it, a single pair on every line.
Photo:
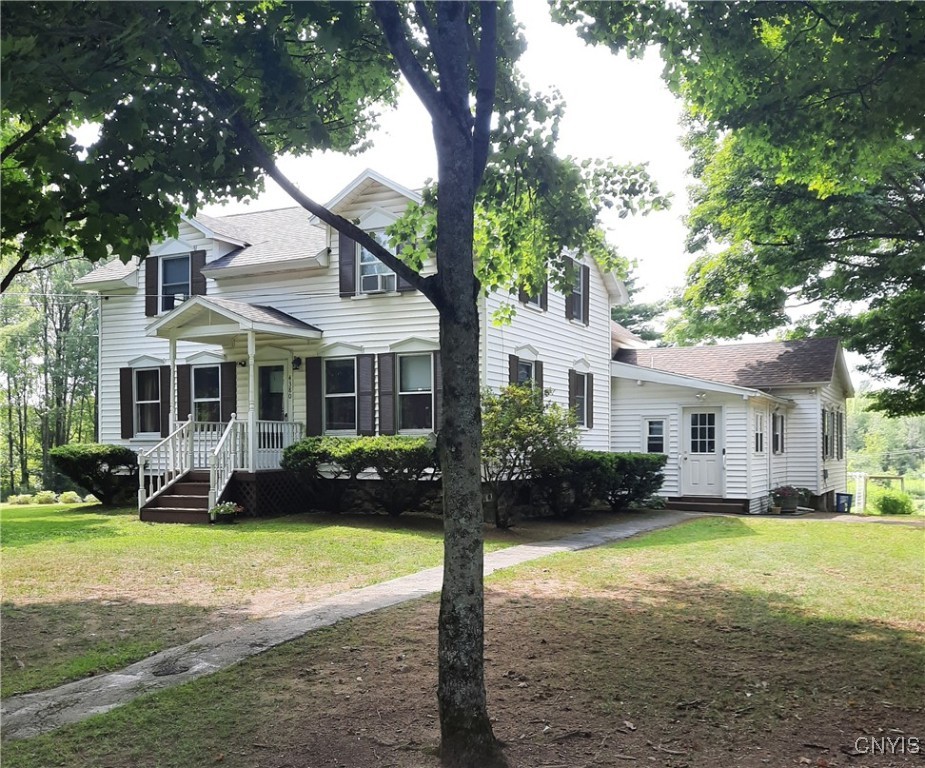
[252,401]
[173,384]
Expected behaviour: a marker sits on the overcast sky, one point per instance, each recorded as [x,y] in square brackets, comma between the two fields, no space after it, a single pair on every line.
[616,108]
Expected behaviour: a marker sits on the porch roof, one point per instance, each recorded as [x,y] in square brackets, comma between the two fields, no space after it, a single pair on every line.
[212,320]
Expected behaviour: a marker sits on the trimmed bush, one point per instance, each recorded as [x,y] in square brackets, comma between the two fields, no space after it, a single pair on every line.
[567,481]
[22,498]
[69,497]
[329,468]
[889,501]
[45,497]
[626,478]
[110,472]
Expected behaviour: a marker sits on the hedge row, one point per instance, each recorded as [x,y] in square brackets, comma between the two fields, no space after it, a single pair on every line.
[109,472]
[570,481]
[330,468]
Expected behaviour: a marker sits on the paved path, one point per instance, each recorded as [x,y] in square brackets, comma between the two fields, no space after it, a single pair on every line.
[34,713]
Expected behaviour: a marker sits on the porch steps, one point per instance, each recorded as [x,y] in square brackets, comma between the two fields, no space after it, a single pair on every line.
[707,504]
[186,501]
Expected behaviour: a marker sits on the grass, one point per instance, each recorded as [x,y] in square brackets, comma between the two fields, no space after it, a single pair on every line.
[89,590]
[726,640]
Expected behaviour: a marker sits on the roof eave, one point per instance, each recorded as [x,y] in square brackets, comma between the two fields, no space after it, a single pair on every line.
[320,260]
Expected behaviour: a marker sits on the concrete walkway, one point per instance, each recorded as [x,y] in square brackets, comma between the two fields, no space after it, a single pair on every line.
[34,713]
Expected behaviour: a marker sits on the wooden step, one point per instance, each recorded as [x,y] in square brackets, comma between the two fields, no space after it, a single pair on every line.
[174,515]
[197,476]
[178,500]
[695,504]
[186,488]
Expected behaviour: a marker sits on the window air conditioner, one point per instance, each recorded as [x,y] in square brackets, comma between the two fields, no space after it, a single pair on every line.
[377,283]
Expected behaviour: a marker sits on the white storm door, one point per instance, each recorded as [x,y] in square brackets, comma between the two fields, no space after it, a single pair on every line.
[702,453]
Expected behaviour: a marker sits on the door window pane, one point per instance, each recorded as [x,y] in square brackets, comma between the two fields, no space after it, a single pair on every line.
[703,433]
[270,393]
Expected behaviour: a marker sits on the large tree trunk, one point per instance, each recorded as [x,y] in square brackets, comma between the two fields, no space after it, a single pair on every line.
[466,734]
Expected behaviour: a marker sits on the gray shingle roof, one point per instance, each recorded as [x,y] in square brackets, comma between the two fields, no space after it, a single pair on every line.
[261,314]
[111,270]
[762,365]
[281,235]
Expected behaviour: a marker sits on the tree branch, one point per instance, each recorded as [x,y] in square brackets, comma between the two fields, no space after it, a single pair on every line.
[14,145]
[485,90]
[391,24]
[13,271]
[225,109]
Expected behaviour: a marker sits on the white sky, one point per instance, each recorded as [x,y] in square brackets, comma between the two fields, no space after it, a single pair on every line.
[615,108]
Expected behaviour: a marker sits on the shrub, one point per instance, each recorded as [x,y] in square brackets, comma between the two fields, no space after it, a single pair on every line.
[329,467]
[91,499]
[626,478]
[69,497]
[522,435]
[110,472]
[23,498]
[45,497]
[889,501]
[567,480]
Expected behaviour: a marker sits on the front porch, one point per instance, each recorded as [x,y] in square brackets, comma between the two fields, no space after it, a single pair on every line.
[202,463]
[212,455]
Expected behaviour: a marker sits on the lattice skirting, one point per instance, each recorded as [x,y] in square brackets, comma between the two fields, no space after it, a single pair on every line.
[267,494]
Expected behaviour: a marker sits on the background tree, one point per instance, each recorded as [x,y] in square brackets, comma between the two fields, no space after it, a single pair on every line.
[808,151]
[642,318]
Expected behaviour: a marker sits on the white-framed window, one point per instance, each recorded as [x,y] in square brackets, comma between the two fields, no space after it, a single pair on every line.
[147,400]
[372,275]
[207,393]
[655,436]
[175,279]
[340,395]
[526,371]
[415,392]
[777,432]
[581,399]
[759,432]
[578,298]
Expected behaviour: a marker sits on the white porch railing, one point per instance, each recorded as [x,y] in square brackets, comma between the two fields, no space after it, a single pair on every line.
[206,435]
[228,455]
[165,463]
[273,437]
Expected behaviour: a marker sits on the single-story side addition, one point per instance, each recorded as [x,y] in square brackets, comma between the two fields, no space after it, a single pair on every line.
[736,421]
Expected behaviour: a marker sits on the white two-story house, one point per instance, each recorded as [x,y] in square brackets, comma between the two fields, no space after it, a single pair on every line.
[244,333]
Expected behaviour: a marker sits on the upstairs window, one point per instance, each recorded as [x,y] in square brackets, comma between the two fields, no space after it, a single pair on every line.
[374,276]
[175,280]
[148,400]
[340,401]
[577,303]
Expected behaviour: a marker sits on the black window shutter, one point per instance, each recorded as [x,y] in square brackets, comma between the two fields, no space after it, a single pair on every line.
[512,362]
[586,293]
[438,393]
[314,407]
[572,389]
[402,285]
[347,265]
[229,384]
[152,287]
[366,394]
[165,401]
[184,391]
[387,393]
[197,279]
[569,305]
[589,400]
[538,373]
[127,402]
[544,296]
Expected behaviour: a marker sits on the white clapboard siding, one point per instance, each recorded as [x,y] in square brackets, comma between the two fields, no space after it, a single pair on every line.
[560,343]
[800,463]
[759,469]
[835,471]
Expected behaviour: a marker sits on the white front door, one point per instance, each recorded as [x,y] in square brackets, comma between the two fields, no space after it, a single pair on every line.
[702,453]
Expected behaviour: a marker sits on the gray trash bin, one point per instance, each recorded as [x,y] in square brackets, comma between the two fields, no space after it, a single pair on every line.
[843,502]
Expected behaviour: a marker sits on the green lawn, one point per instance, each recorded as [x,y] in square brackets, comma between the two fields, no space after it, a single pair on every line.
[722,640]
[87,590]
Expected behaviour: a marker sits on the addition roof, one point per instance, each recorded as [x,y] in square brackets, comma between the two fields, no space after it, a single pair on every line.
[762,365]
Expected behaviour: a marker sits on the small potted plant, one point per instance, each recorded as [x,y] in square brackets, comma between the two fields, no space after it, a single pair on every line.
[773,505]
[225,512]
[787,496]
